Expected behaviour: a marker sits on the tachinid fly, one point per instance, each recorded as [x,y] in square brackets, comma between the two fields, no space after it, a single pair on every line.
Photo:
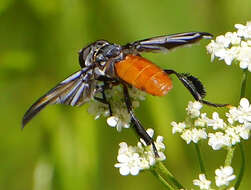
[114,64]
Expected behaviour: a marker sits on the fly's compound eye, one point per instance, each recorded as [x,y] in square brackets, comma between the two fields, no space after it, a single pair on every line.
[83,53]
[80,59]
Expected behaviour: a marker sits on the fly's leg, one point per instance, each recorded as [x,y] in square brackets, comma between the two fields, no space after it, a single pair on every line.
[103,99]
[195,87]
[108,84]
[136,123]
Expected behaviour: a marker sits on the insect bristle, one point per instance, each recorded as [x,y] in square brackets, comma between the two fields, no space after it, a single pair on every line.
[197,84]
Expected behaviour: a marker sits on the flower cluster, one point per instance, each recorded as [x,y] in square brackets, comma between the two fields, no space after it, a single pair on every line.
[223,176]
[133,159]
[202,182]
[219,133]
[233,46]
[120,117]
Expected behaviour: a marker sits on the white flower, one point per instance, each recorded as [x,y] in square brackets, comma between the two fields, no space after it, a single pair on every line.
[225,42]
[150,132]
[133,159]
[221,47]
[199,134]
[193,135]
[224,175]
[234,38]
[178,127]
[201,121]
[216,122]
[225,134]
[245,109]
[212,48]
[149,150]
[233,46]
[160,147]
[129,160]
[233,135]
[228,55]
[244,56]
[218,140]
[187,136]
[193,109]
[244,31]
[112,121]
[242,114]
[243,131]
[120,117]
[202,182]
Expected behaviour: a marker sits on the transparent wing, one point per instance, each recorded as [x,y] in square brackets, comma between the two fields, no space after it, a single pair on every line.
[75,90]
[166,43]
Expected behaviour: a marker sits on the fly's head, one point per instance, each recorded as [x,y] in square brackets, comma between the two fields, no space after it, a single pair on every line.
[99,53]
[102,55]
[88,53]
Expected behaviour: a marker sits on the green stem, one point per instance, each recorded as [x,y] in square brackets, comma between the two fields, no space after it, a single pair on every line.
[228,161]
[230,155]
[169,187]
[243,83]
[164,173]
[202,167]
[242,169]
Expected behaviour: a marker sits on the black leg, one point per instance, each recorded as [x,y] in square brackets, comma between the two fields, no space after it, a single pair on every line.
[103,99]
[195,87]
[108,84]
[136,123]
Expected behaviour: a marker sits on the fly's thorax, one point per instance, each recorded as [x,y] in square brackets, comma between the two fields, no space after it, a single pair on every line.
[107,68]
[106,57]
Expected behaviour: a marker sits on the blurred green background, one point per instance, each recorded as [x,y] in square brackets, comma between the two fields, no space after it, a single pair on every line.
[63,148]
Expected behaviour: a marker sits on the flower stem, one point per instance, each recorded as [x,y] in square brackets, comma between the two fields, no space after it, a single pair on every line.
[243,83]
[169,187]
[242,169]
[228,161]
[202,167]
[230,155]
[166,175]
[239,178]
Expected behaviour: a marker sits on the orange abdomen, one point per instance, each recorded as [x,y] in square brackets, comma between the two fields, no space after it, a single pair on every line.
[144,75]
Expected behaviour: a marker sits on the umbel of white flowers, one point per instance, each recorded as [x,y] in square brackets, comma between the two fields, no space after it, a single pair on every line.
[219,133]
[223,176]
[133,159]
[233,46]
[120,118]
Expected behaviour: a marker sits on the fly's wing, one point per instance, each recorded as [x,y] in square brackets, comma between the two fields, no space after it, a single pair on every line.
[166,43]
[75,90]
